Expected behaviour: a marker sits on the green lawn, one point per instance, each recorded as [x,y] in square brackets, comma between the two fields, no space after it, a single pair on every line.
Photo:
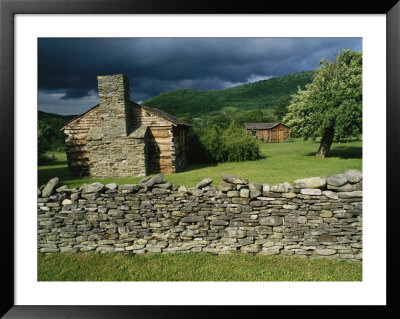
[280,162]
[192,267]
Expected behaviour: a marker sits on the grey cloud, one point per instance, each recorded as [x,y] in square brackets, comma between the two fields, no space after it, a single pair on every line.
[156,65]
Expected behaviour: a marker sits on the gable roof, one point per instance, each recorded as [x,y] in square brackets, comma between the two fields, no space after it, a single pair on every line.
[79,117]
[164,115]
[153,110]
[261,126]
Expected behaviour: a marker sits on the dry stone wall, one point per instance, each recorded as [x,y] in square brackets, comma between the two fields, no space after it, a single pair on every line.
[118,156]
[317,217]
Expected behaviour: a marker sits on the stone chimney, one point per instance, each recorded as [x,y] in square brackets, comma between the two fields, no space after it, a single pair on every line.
[114,104]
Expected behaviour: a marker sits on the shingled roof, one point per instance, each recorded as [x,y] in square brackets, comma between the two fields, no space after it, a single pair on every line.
[261,126]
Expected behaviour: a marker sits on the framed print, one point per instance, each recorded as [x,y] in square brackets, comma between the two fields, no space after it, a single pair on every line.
[41,38]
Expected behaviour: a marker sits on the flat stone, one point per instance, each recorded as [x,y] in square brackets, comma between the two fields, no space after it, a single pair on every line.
[354,194]
[129,188]
[358,186]
[330,194]
[233,179]
[150,181]
[66,202]
[353,176]
[234,232]
[327,238]
[182,189]
[50,186]
[225,187]
[326,214]
[271,221]
[289,187]
[165,185]
[160,191]
[218,222]
[311,191]
[254,186]
[266,198]
[240,200]
[337,179]
[255,193]
[289,195]
[302,219]
[74,196]
[90,196]
[92,188]
[265,188]
[311,182]
[203,183]
[344,188]
[192,219]
[112,186]
[62,189]
[326,252]
[253,248]
[244,192]
[233,194]
[279,188]
[196,191]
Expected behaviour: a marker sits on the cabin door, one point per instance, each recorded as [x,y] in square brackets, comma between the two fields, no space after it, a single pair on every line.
[280,135]
[265,136]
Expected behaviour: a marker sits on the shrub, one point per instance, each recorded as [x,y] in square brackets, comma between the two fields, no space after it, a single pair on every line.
[215,144]
[237,146]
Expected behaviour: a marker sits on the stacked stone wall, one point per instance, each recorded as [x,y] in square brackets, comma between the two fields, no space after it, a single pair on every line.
[317,217]
[117,156]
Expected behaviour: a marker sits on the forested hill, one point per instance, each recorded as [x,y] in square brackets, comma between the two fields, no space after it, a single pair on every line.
[256,95]
[56,119]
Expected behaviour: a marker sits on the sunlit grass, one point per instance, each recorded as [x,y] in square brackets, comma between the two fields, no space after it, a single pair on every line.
[192,267]
[280,162]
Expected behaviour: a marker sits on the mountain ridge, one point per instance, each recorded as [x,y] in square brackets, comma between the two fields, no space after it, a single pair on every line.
[255,95]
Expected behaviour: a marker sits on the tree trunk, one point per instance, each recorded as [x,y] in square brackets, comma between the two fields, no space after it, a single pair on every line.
[326,142]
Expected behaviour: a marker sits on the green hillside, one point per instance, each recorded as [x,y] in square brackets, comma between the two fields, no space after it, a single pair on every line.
[256,95]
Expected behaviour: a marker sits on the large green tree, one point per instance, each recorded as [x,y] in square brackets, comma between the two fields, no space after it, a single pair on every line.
[331,105]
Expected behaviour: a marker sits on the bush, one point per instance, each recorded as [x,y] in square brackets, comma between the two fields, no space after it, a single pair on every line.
[197,152]
[46,158]
[215,144]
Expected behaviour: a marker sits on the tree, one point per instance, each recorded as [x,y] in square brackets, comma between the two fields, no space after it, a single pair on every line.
[45,136]
[281,107]
[331,105]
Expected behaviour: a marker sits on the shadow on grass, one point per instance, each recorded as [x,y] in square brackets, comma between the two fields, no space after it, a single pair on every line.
[343,152]
[45,174]
[196,166]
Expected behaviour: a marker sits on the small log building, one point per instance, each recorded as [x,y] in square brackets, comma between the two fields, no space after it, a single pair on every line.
[120,138]
[269,132]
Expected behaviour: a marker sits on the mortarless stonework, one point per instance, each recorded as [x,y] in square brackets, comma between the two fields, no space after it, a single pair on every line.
[123,156]
[157,217]
[115,148]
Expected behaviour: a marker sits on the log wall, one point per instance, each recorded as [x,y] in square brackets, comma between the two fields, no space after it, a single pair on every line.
[75,140]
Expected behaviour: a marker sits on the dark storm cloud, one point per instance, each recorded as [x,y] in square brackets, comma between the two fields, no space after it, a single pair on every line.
[68,67]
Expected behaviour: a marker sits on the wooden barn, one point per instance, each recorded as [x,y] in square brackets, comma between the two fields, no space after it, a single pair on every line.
[120,138]
[269,132]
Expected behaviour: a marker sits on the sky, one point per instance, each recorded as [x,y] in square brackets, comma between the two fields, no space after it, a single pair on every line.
[68,67]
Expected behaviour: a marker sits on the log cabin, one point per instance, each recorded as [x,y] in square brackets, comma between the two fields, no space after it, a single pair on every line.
[120,138]
[269,132]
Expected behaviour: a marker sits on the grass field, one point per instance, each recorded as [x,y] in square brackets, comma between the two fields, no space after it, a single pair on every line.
[192,267]
[280,162]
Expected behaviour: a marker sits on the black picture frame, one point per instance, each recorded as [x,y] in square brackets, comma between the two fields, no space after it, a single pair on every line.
[8,10]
